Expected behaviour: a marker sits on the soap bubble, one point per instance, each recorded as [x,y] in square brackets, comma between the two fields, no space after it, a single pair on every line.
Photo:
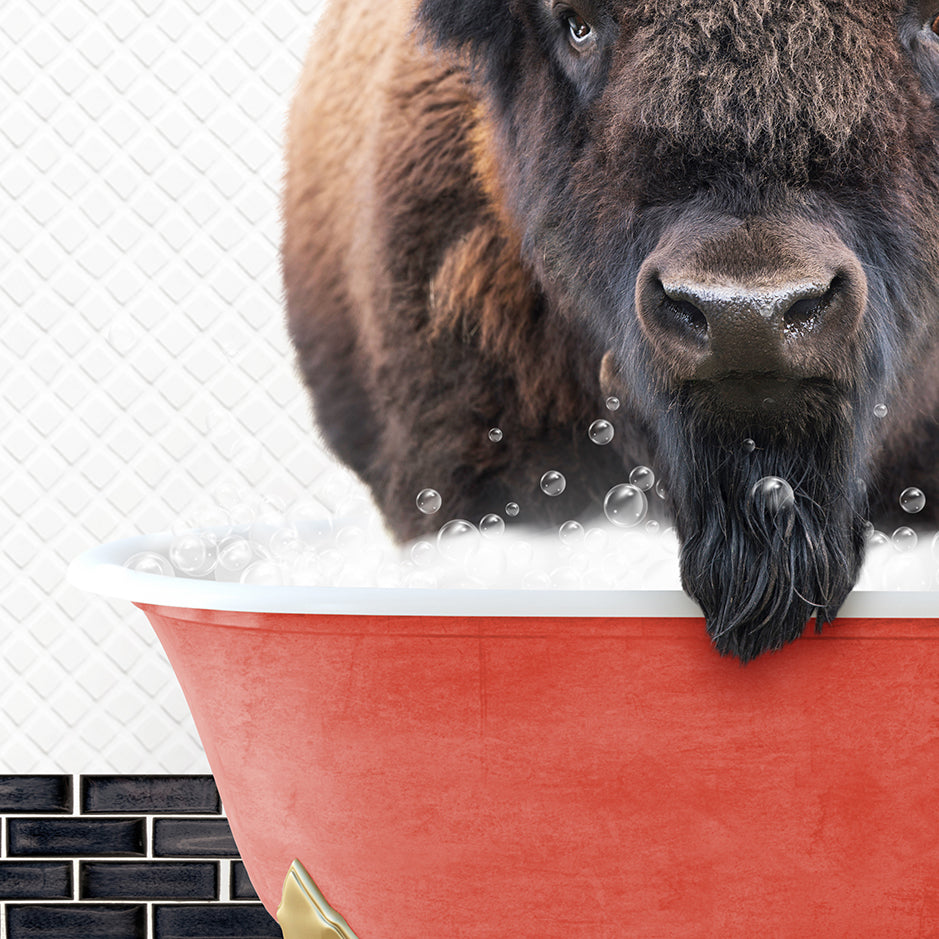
[310,519]
[423,553]
[421,580]
[511,509]
[305,570]
[596,540]
[600,432]
[880,410]
[491,525]
[616,566]
[264,573]
[642,478]
[566,578]
[329,565]
[334,490]
[625,505]
[241,514]
[389,575]
[553,483]
[212,519]
[652,526]
[488,565]
[520,557]
[660,490]
[912,500]
[536,580]
[904,539]
[192,554]
[749,445]
[457,539]
[571,533]
[495,434]
[876,538]
[234,554]
[350,537]
[428,501]
[612,403]
[285,543]
[150,562]
[267,522]
[772,494]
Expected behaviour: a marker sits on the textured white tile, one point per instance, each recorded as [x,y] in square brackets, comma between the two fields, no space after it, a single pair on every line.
[146,358]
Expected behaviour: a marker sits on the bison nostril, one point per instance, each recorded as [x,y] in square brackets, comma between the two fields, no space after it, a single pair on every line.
[803,311]
[806,310]
[689,315]
[677,311]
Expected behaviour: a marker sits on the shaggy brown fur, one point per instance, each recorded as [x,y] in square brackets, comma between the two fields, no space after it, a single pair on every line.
[472,202]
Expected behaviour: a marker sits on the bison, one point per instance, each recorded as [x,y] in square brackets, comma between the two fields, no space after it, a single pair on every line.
[724,212]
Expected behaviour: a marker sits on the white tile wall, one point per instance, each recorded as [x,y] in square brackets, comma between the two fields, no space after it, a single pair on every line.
[142,353]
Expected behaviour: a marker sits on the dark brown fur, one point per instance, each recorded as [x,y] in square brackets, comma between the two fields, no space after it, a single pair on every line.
[417,325]
[468,206]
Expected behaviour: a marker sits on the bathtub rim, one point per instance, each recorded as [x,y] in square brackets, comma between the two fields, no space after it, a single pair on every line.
[100,570]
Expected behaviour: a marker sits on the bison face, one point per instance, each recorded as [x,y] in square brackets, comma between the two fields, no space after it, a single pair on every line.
[736,202]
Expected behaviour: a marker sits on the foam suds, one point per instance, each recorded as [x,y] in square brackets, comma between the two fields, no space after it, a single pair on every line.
[357,553]
[338,539]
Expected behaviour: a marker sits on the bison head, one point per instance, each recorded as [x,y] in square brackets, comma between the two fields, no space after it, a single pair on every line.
[735,202]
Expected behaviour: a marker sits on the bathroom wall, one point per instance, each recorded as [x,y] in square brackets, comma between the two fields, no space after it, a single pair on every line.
[143,358]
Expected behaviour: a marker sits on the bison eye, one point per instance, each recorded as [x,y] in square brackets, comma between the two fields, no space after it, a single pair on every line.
[581,31]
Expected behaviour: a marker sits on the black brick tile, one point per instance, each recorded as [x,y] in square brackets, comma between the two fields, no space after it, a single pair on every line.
[213,922]
[76,837]
[193,837]
[149,794]
[241,886]
[35,880]
[150,880]
[35,794]
[76,921]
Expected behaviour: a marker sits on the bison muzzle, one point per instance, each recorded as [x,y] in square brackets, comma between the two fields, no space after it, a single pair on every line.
[724,212]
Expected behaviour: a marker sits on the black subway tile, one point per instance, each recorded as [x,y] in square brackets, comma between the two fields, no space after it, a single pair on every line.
[76,921]
[193,837]
[35,794]
[149,794]
[76,837]
[35,880]
[241,886]
[148,880]
[222,921]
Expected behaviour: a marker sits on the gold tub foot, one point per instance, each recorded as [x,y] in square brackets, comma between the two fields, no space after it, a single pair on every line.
[304,913]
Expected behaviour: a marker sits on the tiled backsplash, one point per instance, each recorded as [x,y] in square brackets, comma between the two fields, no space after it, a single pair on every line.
[144,360]
[122,857]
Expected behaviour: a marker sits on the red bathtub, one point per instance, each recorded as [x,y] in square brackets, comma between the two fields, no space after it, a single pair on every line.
[545,765]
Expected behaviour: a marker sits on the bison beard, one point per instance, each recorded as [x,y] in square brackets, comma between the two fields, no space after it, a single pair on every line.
[760,572]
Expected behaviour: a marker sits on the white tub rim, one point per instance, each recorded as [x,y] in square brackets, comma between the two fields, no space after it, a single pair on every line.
[101,570]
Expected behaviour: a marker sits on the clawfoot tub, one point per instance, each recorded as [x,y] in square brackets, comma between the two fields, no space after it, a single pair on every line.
[545,764]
